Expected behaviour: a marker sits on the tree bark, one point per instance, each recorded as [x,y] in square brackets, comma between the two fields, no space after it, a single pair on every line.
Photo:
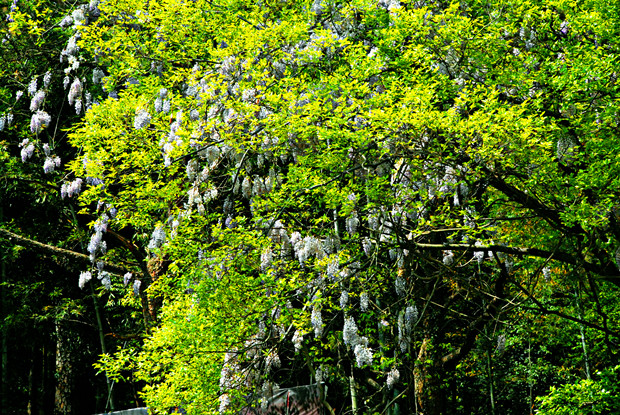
[4,359]
[50,249]
[64,372]
[428,377]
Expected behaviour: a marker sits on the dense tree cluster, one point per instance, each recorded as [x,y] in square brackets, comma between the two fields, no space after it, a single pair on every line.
[412,205]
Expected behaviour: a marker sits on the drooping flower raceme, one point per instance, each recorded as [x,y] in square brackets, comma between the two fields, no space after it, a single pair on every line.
[39,121]
[319,374]
[273,360]
[97,75]
[364,301]
[71,189]
[363,354]
[501,343]
[85,276]
[166,106]
[349,332]
[392,378]
[66,22]
[37,100]
[27,149]
[403,338]
[75,91]
[298,339]
[479,255]
[344,299]
[351,223]
[317,321]
[51,163]
[157,238]
[448,257]
[333,268]
[96,243]
[224,402]
[32,87]
[401,286]
[158,104]
[136,287]
[367,246]
[265,259]
[411,317]
[47,78]
[126,278]
[142,120]
[105,279]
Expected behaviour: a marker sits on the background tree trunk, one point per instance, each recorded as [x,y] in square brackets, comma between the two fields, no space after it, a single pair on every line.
[4,359]
[428,380]
[64,372]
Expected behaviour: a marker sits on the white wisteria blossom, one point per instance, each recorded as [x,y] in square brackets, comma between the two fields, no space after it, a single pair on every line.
[158,237]
[51,163]
[363,354]
[411,317]
[98,75]
[364,300]
[27,149]
[142,119]
[85,276]
[75,92]
[392,378]
[344,299]
[39,121]
[349,332]
[126,278]
[32,87]
[317,321]
[71,189]
[47,78]
[298,339]
[106,280]
[352,222]
[400,285]
[136,287]
[37,100]
[265,259]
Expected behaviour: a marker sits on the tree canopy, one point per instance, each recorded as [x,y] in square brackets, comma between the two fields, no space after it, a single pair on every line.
[394,200]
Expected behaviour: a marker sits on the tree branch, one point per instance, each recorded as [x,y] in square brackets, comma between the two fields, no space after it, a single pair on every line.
[544,310]
[54,250]
[610,273]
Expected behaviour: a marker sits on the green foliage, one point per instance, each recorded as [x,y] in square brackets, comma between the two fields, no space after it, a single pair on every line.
[355,143]
[340,189]
[588,396]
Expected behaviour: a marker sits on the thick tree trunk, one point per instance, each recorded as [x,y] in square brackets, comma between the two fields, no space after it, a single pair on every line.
[49,377]
[431,398]
[4,353]
[37,377]
[64,372]
[4,347]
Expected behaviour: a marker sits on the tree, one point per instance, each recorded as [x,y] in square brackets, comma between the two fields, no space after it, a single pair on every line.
[51,330]
[348,192]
